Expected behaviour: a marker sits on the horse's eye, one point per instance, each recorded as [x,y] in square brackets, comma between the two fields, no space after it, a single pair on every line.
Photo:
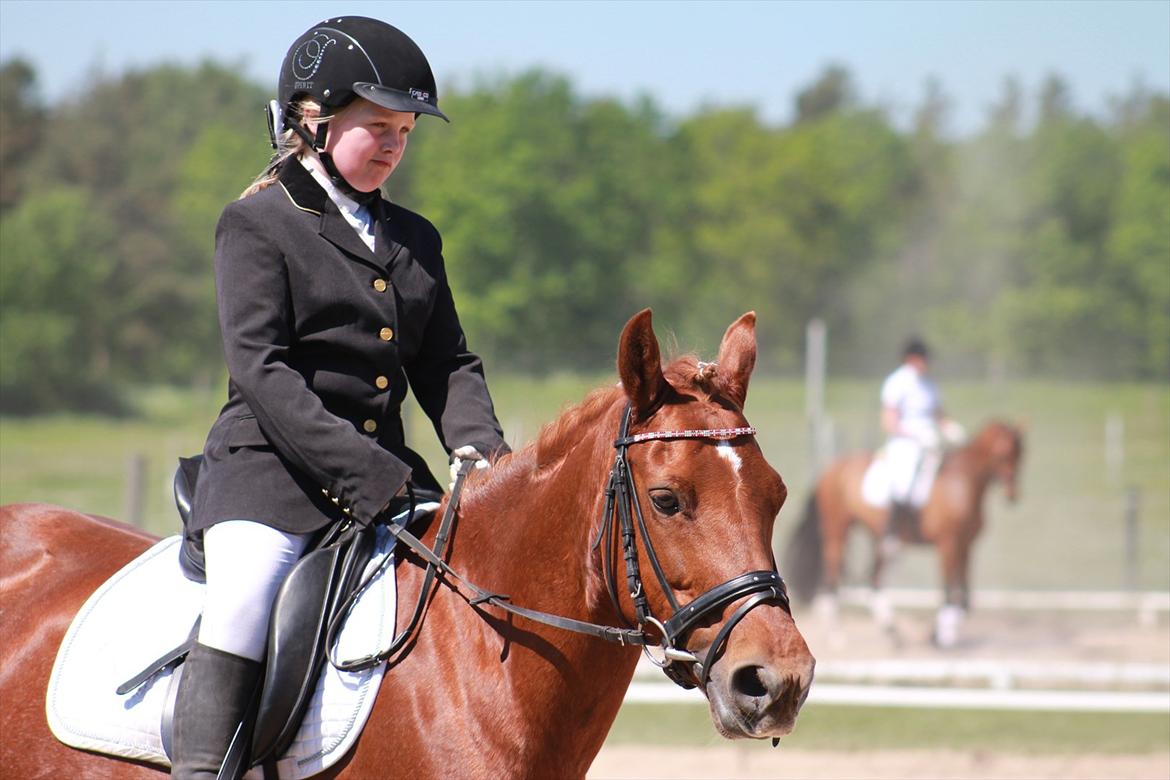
[665,501]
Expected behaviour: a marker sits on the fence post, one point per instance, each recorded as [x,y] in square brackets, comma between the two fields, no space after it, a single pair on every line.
[815,341]
[1114,447]
[1133,502]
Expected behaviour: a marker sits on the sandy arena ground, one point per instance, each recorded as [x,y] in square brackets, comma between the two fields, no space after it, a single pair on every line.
[729,762]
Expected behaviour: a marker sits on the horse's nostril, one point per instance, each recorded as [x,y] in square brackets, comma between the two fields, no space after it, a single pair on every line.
[749,681]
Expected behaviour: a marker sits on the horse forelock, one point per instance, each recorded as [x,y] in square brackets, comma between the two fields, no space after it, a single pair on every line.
[689,375]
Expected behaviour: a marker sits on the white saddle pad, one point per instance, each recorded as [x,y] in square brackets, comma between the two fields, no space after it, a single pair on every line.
[148,608]
[900,473]
[876,484]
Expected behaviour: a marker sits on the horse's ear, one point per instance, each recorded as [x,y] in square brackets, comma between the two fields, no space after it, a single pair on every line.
[737,357]
[640,365]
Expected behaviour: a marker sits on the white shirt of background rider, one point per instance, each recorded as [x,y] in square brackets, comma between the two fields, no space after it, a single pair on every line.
[912,399]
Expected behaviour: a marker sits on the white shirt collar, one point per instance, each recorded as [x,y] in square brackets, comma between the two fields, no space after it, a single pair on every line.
[317,169]
[357,215]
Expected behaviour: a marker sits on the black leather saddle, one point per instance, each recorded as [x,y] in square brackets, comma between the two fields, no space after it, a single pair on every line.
[191,550]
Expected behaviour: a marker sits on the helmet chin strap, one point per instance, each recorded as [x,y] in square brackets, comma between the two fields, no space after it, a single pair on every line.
[318,145]
[364,198]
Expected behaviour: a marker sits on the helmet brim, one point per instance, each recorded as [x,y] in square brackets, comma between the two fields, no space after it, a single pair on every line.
[395,100]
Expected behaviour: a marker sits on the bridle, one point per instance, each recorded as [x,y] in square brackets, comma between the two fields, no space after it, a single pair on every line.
[621,496]
[680,665]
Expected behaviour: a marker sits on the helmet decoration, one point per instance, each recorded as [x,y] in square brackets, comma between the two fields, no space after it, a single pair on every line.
[346,57]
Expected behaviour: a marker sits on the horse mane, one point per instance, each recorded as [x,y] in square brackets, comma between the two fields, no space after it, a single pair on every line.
[980,444]
[999,427]
[687,375]
[556,438]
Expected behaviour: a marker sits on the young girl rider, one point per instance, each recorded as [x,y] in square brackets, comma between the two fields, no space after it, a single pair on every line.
[331,300]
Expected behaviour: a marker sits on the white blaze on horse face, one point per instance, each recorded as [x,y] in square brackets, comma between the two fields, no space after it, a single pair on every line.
[728,453]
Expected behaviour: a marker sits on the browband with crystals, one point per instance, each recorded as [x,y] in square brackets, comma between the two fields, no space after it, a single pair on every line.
[720,434]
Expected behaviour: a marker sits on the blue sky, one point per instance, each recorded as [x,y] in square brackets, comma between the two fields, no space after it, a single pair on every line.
[684,54]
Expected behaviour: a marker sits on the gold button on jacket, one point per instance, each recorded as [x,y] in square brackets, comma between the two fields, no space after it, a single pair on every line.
[386,334]
[380,285]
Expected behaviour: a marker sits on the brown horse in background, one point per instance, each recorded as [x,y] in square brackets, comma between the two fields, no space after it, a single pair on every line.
[950,520]
[481,693]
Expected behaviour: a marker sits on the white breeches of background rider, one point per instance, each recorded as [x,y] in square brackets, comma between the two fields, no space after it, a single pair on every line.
[912,466]
[246,562]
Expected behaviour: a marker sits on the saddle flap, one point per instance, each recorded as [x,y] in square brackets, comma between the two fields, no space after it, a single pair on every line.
[306,601]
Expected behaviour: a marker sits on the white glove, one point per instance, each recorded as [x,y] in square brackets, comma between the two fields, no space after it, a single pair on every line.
[460,454]
[952,433]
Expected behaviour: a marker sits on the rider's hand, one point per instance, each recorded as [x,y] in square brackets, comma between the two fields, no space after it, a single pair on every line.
[952,433]
[460,454]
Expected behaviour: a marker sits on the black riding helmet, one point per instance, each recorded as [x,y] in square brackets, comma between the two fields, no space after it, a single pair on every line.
[916,347]
[346,57]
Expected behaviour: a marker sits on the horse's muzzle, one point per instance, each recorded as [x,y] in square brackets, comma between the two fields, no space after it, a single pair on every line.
[754,701]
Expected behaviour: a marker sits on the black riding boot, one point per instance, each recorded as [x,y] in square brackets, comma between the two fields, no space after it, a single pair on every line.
[901,515]
[214,693]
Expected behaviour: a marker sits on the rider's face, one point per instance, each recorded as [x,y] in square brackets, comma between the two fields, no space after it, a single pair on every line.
[367,142]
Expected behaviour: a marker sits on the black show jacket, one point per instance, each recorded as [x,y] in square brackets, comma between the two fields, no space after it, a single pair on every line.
[321,336]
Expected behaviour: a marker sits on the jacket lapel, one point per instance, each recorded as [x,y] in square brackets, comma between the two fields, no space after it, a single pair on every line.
[386,245]
[307,195]
[342,235]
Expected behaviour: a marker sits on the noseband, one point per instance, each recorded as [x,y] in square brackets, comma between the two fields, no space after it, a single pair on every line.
[621,501]
[680,665]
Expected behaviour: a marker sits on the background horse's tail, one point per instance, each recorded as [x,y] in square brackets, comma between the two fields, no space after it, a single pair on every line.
[803,561]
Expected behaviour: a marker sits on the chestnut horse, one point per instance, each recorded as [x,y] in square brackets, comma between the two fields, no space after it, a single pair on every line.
[482,693]
[950,520]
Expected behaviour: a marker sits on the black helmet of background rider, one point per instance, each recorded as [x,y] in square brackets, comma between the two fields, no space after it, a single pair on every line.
[347,57]
[915,347]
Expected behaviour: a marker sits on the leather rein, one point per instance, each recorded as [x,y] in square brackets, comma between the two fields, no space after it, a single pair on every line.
[680,665]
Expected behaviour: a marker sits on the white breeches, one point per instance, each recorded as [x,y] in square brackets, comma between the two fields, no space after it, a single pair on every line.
[912,470]
[246,563]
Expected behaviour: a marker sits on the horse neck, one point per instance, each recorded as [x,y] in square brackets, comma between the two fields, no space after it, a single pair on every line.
[527,531]
[977,461]
[536,513]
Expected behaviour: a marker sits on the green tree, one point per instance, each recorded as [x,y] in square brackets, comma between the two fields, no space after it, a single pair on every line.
[150,142]
[783,220]
[56,328]
[22,121]
[1138,243]
[542,207]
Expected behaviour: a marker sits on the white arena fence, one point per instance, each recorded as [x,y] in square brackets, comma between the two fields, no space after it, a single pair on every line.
[996,674]
[1148,605]
[944,698]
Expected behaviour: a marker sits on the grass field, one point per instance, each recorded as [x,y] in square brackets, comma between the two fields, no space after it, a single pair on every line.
[827,727]
[1067,531]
